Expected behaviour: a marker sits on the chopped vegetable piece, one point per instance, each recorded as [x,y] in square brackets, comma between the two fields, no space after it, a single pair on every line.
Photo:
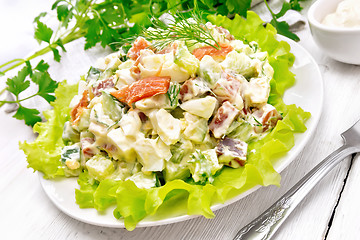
[100,167]
[143,88]
[180,149]
[70,134]
[152,154]
[220,54]
[71,154]
[231,152]
[93,74]
[210,70]
[112,107]
[242,64]
[186,60]
[203,166]
[123,145]
[227,88]
[196,128]
[166,126]
[243,131]
[175,171]
[202,107]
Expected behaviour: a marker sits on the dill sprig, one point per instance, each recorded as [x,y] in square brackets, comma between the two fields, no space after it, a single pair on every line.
[173,93]
[259,124]
[190,30]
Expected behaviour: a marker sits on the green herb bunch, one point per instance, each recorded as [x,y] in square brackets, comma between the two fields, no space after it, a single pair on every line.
[110,23]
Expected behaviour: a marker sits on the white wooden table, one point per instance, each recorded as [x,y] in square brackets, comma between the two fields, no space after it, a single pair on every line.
[331,211]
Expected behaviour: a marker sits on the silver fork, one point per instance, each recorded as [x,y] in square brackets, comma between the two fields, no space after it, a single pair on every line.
[265,226]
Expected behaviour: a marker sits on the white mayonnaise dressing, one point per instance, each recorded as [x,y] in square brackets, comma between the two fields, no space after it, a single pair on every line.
[347,15]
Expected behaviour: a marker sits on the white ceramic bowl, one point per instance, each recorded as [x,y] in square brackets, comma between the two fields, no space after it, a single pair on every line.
[342,44]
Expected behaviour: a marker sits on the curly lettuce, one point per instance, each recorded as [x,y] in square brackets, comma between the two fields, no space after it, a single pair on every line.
[44,153]
[176,197]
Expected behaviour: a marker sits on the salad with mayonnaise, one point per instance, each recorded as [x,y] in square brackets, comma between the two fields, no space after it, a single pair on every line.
[191,121]
[174,113]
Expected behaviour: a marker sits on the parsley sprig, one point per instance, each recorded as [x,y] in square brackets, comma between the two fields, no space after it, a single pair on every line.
[283,27]
[16,85]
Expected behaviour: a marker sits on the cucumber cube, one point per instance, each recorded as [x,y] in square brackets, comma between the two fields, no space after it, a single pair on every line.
[100,167]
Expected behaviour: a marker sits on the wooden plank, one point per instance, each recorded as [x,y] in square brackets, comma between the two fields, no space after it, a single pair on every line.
[347,216]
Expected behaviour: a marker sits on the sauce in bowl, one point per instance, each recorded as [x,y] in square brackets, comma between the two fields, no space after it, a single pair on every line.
[347,15]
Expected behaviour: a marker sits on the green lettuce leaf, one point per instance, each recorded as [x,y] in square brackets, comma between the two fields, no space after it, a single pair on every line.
[84,196]
[44,153]
[178,197]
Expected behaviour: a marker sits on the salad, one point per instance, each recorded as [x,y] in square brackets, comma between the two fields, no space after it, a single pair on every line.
[194,122]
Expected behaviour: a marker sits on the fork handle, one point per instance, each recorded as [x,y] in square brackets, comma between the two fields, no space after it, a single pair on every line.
[265,226]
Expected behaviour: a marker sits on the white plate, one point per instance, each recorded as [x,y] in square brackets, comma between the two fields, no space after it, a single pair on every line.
[306,93]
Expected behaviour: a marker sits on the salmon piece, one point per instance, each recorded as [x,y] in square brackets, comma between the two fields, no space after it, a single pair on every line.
[221,53]
[143,88]
[139,44]
[79,108]
[121,94]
